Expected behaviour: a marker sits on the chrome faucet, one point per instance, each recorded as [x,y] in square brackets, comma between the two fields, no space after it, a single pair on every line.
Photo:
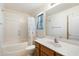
[55,40]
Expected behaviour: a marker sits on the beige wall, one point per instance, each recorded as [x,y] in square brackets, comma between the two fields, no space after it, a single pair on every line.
[1,30]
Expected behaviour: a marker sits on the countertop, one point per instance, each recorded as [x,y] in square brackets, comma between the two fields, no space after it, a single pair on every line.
[64,48]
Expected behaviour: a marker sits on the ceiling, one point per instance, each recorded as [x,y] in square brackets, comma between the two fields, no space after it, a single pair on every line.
[60,7]
[31,8]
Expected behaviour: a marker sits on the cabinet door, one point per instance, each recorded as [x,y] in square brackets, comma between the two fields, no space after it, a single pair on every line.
[37,52]
[46,51]
[42,54]
[37,49]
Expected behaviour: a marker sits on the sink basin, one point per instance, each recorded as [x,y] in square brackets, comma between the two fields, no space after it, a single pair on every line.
[51,42]
[57,45]
[54,44]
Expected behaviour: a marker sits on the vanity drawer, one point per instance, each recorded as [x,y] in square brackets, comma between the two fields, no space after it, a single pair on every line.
[47,51]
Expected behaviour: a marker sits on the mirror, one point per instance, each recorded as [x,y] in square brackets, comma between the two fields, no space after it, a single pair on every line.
[56,25]
[62,21]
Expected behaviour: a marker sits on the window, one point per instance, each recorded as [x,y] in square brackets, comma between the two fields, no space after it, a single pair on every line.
[40,22]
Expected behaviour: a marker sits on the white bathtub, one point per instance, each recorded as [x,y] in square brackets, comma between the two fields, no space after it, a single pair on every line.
[15,49]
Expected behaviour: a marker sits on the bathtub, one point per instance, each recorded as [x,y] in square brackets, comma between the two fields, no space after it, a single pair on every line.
[15,49]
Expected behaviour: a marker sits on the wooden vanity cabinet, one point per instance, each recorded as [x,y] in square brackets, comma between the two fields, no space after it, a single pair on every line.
[57,54]
[46,51]
[42,50]
[37,48]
